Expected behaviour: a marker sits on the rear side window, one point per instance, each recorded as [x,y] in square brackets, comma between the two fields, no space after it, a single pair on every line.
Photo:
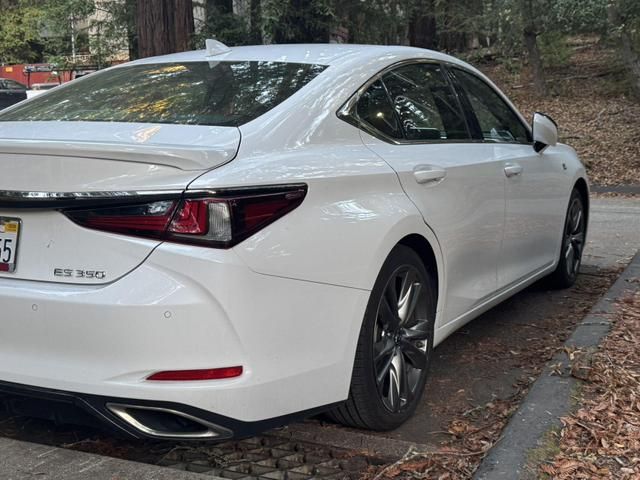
[193,93]
[497,120]
[425,103]
[375,110]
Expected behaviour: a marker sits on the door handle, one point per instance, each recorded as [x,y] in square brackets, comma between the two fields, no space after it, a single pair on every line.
[512,170]
[429,174]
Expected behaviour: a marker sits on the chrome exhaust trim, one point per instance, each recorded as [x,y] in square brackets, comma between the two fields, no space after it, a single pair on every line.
[127,414]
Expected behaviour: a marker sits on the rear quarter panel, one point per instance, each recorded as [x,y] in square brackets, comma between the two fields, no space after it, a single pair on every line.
[354,214]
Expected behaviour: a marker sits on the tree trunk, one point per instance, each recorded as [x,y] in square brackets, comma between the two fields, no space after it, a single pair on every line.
[164,26]
[535,61]
[132,35]
[630,55]
[530,35]
[631,59]
[422,25]
[184,27]
[255,22]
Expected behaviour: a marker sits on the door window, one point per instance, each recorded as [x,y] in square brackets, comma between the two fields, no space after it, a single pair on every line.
[497,121]
[426,105]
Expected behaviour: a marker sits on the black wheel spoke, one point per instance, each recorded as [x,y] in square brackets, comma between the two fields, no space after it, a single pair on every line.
[577,239]
[577,217]
[406,393]
[394,387]
[386,367]
[420,331]
[383,349]
[389,311]
[409,297]
[416,356]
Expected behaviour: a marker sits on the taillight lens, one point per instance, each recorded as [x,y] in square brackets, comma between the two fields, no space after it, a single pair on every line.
[216,219]
[145,220]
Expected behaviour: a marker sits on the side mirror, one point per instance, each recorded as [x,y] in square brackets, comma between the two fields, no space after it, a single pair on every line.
[545,132]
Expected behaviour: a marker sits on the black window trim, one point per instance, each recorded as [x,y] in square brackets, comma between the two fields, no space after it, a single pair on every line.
[347,112]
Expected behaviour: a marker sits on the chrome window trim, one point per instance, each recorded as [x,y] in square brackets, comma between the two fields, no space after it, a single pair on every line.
[48,200]
[40,195]
[347,112]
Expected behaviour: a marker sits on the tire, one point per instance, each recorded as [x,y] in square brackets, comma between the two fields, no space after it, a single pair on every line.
[390,343]
[573,241]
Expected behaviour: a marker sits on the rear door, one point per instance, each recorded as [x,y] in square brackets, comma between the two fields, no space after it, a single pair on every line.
[411,117]
[535,194]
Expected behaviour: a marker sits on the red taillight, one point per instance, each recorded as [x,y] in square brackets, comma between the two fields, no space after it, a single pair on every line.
[192,218]
[190,375]
[216,219]
[150,219]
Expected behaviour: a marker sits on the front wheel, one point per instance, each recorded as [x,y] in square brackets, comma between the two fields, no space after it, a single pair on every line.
[394,347]
[573,241]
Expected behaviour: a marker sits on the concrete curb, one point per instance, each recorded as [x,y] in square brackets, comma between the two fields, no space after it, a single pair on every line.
[622,189]
[24,460]
[550,396]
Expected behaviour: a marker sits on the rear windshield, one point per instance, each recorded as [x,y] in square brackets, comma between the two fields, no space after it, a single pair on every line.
[198,93]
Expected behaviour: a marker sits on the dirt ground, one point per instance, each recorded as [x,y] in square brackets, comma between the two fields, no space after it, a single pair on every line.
[601,440]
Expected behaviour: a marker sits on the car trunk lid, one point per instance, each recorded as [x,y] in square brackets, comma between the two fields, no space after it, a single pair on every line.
[186,147]
[46,165]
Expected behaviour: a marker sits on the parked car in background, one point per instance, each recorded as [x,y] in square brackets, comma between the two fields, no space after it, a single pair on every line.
[39,88]
[208,244]
[11,92]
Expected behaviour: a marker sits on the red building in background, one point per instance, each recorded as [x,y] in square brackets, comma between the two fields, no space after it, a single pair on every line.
[35,73]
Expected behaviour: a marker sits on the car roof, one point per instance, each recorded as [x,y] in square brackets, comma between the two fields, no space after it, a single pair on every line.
[320,53]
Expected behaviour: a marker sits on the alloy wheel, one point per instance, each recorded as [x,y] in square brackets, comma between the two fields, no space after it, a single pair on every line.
[401,340]
[574,237]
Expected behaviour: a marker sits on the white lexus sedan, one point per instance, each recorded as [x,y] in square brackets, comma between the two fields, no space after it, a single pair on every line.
[208,244]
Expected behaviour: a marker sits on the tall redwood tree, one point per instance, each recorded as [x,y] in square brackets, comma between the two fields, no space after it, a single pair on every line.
[163,26]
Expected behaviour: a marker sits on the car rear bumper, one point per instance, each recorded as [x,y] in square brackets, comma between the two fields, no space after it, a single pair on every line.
[95,410]
[184,308]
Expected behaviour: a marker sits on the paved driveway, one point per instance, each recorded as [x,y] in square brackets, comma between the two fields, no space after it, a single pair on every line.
[614,234]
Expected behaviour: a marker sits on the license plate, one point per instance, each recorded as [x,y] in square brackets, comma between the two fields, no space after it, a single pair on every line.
[9,236]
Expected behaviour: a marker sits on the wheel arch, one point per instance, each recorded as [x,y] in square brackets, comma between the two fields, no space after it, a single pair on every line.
[583,189]
[425,251]
[414,233]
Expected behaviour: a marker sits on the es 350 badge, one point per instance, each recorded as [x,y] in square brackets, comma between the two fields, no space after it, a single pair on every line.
[76,273]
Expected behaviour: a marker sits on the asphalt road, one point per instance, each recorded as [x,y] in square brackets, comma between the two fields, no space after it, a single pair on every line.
[614,232]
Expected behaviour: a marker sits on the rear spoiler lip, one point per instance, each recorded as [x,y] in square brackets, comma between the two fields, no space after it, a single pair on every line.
[14,199]
[181,157]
